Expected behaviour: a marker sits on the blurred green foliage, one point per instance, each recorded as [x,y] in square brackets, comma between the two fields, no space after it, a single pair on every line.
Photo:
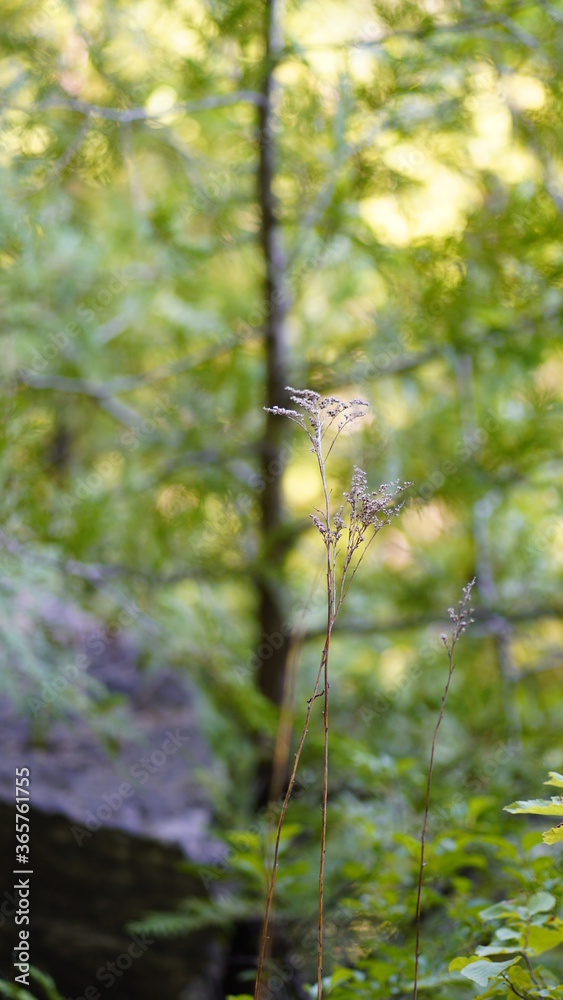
[420,186]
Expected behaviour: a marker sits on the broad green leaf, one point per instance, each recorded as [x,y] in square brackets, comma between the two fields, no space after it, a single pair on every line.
[506,934]
[520,977]
[506,908]
[554,835]
[345,976]
[482,972]
[457,964]
[500,949]
[542,939]
[538,807]
[542,902]
[555,779]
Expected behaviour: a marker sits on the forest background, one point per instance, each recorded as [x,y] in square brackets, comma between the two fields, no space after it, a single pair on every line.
[203,202]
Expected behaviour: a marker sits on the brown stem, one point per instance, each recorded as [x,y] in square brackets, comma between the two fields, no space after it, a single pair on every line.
[460,621]
[425,822]
[526,958]
[264,935]
[323,828]
[524,996]
[331,612]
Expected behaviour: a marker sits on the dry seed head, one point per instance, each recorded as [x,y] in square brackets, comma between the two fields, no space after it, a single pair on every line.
[317,408]
[373,508]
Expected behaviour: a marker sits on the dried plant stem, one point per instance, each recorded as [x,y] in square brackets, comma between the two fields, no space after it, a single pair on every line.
[460,621]
[323,826]
[265,923]
[331,606]
[425,823]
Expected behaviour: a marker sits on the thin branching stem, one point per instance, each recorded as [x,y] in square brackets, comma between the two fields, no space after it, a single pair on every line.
[331,602]
[266,920]
[524,996]
[460,621]
[323,820]
[425,823]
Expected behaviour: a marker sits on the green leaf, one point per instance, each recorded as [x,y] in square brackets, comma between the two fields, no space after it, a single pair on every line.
[507,934]
[13,992]
[506,908]
[538,807]
[542,939]
[555,779]
[342,975]
[542,902]
[482,972]
[457,964]
[554,835]
[499,949]
[520,977]
[48,984]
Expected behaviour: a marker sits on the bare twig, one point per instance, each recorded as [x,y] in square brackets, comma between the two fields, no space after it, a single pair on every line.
[524,996]
[95,390]
[460,620]
[60,164]
[265,923]
[141,114]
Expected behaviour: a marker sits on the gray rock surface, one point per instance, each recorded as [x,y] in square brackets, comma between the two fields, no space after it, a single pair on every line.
[113,822]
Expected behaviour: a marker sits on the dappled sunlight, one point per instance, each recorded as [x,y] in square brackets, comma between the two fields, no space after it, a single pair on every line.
[436,208]
[426,522]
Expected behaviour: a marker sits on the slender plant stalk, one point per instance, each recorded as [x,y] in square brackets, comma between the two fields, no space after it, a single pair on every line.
[266,920]
[323,832]
[369,512]
[331,610]
[424,825]
[460,622]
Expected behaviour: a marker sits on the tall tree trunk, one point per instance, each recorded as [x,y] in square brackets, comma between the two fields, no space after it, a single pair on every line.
[272,660]
[272,647]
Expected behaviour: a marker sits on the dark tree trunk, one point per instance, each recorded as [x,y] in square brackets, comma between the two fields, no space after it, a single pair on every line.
[271,666]
[272,644]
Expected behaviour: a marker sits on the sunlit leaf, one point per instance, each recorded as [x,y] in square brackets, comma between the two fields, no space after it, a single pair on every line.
[482,972]
[538,807]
